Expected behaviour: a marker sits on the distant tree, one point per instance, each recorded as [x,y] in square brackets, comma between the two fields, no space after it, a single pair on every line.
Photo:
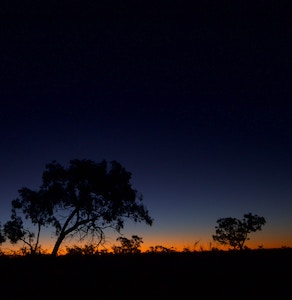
[234,232]
[80,200]
[87,249]
[160,249]
[128,245]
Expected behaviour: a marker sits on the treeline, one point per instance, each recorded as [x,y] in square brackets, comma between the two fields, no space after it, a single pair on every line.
[84,199]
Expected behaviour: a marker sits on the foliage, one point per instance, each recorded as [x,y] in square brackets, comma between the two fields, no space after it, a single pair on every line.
[128,245]
[160,249]
[85,250]
[234,232]
[81,200]
[15,231]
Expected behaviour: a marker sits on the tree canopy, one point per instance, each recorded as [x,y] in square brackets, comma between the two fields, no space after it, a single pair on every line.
[234,232]
[128,245]
[80,200]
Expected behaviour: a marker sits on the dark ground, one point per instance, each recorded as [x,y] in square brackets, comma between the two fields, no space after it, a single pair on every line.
[256,274]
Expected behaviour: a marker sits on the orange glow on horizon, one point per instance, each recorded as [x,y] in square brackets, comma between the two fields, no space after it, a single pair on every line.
[147,246]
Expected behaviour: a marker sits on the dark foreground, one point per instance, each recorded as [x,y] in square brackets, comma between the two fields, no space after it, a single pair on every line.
[257,274]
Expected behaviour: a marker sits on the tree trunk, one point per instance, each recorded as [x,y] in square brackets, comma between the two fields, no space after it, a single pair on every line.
[57,245]
[64,232]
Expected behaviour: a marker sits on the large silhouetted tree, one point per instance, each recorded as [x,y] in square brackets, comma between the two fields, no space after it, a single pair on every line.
[234,232]
[80,200]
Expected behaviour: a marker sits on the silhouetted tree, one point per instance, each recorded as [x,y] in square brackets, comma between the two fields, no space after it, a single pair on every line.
[82,199]
[15,232]
[234,232]
[84,250]
[34,207]
[128,245]
[160,249]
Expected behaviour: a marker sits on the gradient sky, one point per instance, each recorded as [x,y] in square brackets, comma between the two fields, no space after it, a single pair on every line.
[195,103]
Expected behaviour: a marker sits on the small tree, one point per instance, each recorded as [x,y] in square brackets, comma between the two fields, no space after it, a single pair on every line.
[128,245]
[160,249]
[14,229]
[81,200]
[234,232]
[88,249]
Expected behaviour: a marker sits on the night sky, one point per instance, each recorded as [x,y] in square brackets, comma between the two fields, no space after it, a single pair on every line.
[194,101]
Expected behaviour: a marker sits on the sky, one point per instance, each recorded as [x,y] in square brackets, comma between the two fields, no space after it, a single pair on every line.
[194,101]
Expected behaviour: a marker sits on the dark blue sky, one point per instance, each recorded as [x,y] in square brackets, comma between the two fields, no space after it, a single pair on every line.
[195,102]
